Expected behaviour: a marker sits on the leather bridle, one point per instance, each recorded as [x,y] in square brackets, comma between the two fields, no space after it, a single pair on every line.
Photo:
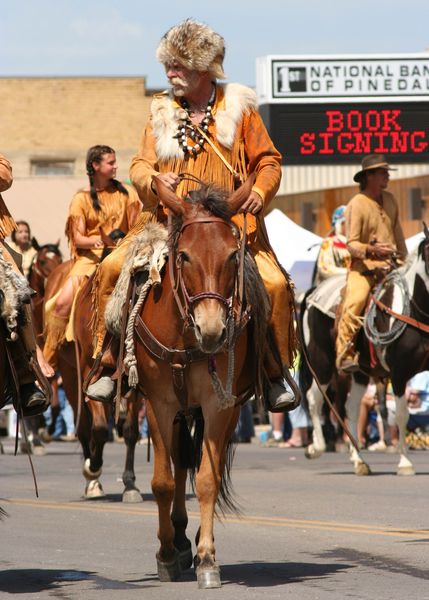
[185,301]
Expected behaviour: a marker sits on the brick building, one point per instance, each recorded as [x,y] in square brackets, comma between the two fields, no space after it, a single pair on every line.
[46,126]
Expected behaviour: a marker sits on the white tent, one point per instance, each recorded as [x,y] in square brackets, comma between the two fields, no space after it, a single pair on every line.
[290,242]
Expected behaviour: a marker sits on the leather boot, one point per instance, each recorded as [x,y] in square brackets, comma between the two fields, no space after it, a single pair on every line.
[283,394]
[33,400]
[103,387]
[55,330]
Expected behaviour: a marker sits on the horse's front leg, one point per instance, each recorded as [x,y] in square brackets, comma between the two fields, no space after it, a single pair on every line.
[405,466]
[160,419]
[315,403]
[179,515]
[92,467]
[131,493]
[352,408]
[218,430]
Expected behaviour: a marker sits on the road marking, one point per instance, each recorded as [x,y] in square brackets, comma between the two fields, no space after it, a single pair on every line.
[367,529]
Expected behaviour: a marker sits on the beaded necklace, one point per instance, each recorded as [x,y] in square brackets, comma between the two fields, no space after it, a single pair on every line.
[188,129]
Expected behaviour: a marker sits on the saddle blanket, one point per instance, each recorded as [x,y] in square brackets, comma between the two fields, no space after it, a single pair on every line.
[327,295]
[147,252]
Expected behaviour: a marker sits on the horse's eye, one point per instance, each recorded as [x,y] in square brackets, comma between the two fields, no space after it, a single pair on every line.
[233,256]
[43,263]
[184,257]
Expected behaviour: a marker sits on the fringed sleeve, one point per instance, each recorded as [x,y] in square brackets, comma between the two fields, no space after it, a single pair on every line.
[7,224]
[143,166]
[75,222]
[134,207]
[263,158]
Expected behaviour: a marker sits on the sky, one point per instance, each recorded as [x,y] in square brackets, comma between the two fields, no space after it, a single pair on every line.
[110,37]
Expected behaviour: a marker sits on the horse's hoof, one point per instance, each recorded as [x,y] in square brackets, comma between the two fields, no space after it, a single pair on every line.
[169,571]
[132,497]
[311,452]
[362,469]
[94,489]
[208,577]
[186,558]
[406,470]
[39,450]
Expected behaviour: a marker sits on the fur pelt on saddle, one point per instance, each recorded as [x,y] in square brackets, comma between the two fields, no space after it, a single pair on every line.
[147,252]
[14,292]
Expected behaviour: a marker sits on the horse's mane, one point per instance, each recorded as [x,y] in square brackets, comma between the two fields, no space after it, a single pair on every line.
[210,198]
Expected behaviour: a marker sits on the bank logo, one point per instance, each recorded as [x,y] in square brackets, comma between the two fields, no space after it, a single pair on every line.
[291,80]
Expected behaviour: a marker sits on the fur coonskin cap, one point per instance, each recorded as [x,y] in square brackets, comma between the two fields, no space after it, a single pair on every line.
[195,46]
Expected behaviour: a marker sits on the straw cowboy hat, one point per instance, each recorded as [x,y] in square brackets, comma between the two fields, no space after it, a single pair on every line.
[373,161]
[195,46]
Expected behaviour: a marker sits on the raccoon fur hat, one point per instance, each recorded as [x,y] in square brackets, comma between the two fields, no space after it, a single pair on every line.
[195,46]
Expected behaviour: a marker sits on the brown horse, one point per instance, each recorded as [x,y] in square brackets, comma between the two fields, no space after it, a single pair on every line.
[184,346]
[93,425]
[48,257]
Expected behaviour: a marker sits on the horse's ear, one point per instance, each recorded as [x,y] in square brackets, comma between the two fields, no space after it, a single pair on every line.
[237,199]
[168,198]
[57,243]
[426,231]
[35,244]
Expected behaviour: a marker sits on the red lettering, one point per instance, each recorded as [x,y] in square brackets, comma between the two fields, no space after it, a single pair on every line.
[345,148]
[381,138]
[326,149]
[389,120]
[399,141]
[307,143]
[418,146]
[373,121]
[354,120]
[335,120]
[363,143]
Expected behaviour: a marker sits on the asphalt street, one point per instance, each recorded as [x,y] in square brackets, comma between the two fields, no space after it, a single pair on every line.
[307,529]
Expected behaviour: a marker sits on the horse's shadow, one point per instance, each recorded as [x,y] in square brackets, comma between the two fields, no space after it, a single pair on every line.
[31,581]
[266,574]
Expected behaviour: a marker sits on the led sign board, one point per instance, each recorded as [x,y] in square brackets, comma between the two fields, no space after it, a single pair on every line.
[339,133]
[333,110]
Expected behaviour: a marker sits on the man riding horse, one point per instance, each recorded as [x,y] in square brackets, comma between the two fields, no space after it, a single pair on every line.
[23,350]
[199,132]
[376,243]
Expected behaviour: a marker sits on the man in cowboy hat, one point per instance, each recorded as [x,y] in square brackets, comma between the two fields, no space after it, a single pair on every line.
[210,132]
[375,241]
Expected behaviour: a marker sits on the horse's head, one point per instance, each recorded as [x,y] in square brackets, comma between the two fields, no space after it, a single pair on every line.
[47,259]
[205,248]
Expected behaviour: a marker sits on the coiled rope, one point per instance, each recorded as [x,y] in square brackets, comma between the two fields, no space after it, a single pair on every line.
[379,338]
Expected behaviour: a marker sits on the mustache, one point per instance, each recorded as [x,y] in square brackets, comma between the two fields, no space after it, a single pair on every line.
[178,81]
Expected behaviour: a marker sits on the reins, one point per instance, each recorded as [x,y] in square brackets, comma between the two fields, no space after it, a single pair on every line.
[185,303]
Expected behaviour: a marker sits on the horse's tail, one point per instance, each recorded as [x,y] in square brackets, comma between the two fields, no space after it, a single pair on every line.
[190,449]
[305,376]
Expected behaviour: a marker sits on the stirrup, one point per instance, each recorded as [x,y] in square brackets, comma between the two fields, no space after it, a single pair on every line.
[102,390]
[283,395]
